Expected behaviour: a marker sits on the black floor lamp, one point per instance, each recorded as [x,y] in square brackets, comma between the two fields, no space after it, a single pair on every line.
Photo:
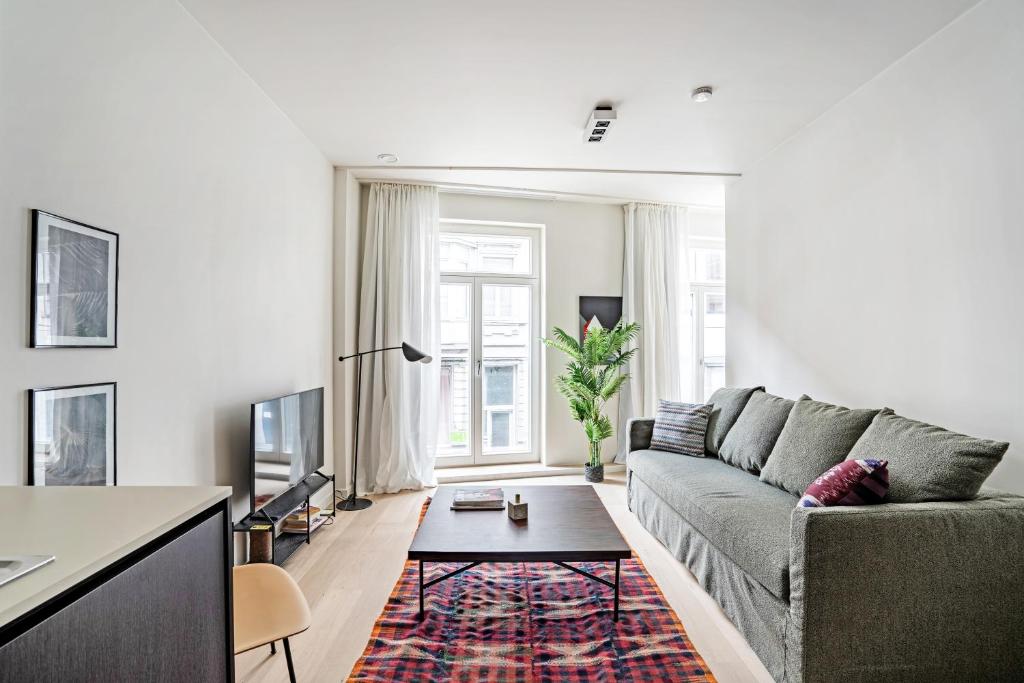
[412,355]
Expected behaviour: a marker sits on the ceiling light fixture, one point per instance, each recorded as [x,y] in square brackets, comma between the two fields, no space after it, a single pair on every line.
[388,158]
[701,94]
[600,121]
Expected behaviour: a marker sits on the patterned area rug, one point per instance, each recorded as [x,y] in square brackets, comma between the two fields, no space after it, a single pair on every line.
[505,623]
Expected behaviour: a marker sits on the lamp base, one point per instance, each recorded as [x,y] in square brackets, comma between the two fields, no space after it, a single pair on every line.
[352,504]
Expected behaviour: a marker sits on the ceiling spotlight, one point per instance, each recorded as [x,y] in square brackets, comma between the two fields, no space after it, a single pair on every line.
[600,122]
[388,158]
[701,94]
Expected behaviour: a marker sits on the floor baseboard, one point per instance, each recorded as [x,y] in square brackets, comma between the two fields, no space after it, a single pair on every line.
[456,475]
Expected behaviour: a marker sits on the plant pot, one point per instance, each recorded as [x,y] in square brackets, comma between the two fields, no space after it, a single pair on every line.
[593,473]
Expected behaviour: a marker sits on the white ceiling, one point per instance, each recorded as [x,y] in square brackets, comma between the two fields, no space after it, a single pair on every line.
[478,83]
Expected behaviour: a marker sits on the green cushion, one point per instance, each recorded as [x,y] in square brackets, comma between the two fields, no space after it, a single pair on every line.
[928,462]
[743,518]
[817,436]
[750,441]
[726,405]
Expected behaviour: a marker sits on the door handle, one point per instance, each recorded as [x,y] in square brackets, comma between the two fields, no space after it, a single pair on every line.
[479,365]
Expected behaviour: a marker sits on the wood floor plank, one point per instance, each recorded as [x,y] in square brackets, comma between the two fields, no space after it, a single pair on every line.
[349,570]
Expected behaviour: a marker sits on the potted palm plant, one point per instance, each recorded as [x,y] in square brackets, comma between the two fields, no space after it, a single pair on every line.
[593,376]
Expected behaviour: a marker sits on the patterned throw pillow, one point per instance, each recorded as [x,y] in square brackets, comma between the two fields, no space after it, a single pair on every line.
[680,428]
[851,482]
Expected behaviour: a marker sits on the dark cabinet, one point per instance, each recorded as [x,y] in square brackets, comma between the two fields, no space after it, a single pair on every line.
[161,614]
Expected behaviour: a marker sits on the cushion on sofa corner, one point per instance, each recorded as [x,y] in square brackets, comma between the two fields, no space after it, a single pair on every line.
[751,439]
[680,428]
[851,482]
[726,405]
[816,436]
[928,463]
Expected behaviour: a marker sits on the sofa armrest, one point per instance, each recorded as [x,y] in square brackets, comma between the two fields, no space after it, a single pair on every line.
[640,430]
[921,591]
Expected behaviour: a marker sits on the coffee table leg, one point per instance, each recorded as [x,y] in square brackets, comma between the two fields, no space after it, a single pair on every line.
[616,615]
[421,590]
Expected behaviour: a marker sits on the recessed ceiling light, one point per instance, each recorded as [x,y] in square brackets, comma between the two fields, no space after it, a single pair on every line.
[701,94]
[387,158]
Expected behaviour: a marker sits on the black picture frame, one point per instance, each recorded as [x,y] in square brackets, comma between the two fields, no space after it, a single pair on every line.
[40,335]
[607,310]
[35,467]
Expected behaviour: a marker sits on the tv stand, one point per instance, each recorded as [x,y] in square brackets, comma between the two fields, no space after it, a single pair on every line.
[284,544]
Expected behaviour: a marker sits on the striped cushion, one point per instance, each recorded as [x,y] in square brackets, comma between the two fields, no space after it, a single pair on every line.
[680,428]
[851,482]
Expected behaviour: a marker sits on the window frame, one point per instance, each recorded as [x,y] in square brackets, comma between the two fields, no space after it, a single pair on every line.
[532,231]
[698,292]
[477,281]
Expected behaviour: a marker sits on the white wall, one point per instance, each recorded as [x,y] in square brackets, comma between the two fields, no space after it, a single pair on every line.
[125,114]
[583,257]
[876,258]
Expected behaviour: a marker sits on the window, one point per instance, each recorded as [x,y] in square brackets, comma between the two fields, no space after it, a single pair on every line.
[709,333]
[707,290]
[454,304]
[499,406]
[464,252]
[456,381]
[499,381]
[707,265]
[490,325]
[498,303]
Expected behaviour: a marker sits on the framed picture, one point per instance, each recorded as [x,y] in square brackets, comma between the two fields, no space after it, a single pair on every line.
[605,311]
[72,435]
[74,284]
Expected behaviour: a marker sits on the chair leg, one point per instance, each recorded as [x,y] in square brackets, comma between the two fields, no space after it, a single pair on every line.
[288,656]
[273,648]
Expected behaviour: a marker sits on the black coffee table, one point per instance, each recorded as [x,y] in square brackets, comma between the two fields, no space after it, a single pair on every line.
[566,524]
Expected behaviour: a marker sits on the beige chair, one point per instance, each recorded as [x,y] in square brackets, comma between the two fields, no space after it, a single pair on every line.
[269,606]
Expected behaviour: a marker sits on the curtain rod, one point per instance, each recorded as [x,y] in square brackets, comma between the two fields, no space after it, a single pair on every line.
[543,169]
[529,193]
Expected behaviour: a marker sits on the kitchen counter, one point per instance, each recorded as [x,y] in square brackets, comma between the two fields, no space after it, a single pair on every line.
[87,529]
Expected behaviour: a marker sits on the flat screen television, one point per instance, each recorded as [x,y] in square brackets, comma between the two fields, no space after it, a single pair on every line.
[286,443]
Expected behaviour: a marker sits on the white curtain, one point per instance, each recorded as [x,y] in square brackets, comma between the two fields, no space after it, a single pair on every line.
[656,294]
[399,301]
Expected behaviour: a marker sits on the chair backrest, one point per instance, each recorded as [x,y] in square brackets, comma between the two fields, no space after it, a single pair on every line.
[269,605]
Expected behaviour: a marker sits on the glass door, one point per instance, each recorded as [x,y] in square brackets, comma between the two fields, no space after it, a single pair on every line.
[489,377]
[456,425]
[709,339]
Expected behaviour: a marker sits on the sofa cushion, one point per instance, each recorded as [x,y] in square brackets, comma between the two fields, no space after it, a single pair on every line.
[750,441]
[817,436]
[927,462]
[745,519]
[851,482]
[726,405]
[680,427]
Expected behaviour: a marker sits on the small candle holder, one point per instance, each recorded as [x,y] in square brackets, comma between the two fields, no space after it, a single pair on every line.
[517,510]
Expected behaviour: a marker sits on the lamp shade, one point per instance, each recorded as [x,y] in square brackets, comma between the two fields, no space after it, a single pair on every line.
[413,354]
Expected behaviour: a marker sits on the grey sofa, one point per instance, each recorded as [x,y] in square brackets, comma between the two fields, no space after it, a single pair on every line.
[928,591]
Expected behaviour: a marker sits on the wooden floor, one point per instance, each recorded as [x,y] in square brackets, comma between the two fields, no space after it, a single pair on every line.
[350,568]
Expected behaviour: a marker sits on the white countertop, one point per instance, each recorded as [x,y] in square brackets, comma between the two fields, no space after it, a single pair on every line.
[87,528]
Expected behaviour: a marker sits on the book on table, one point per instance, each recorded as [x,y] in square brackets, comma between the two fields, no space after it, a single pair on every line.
[479,499]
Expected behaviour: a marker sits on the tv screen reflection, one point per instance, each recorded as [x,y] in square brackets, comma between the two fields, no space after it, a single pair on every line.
[287,441]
